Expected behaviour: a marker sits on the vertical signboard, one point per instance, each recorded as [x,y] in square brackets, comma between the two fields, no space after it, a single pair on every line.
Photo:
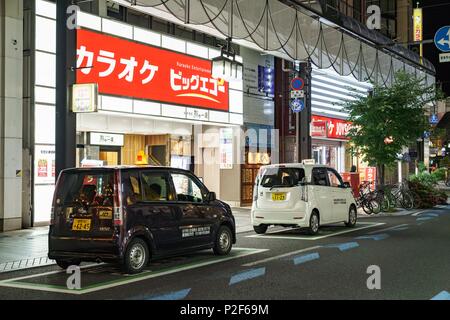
[226,148]
[418,28]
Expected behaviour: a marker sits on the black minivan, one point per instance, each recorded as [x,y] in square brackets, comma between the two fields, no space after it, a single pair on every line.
[131,214]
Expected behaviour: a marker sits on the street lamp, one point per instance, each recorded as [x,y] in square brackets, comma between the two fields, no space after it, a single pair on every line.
[226,67]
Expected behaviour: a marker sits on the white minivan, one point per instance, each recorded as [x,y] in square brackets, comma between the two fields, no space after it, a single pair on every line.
[301,195]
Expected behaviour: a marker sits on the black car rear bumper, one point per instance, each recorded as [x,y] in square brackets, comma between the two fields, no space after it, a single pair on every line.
[68,248]
[82,256]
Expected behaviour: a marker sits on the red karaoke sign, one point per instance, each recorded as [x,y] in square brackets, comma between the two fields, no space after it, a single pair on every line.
[127,68]
[335,128]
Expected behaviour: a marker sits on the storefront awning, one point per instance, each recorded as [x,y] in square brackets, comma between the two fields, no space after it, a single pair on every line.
[288,31]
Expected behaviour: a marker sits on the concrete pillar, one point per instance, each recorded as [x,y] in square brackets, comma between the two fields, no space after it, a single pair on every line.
[11,93]
[100,8]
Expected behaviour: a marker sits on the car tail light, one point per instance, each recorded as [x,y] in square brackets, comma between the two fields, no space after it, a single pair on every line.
[118,209]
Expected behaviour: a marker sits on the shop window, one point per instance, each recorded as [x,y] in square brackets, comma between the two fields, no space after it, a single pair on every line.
[186,188]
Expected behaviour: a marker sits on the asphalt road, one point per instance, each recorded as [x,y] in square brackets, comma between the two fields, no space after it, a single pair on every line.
[412,253]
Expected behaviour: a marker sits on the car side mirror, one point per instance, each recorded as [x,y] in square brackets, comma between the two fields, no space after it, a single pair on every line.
[346,185]
[211,197]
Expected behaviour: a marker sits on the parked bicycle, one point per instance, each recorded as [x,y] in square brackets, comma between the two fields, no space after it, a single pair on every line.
[367,199]
[402,196]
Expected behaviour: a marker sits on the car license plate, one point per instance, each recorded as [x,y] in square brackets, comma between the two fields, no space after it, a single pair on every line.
[278,196]
[81,225]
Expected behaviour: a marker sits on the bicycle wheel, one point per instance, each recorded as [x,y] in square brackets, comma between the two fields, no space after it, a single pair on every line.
[385,204]
[367,207]
[407,201]
[376,206]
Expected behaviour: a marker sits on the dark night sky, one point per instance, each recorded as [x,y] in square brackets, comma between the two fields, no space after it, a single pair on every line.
[436,13]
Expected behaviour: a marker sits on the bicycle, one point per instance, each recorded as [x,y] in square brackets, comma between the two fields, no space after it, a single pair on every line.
[402,196]
[367,199]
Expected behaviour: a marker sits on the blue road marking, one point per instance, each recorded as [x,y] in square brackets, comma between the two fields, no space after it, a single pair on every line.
[176,295]
[306,258]
[424,219]
[400,229]
[444,295]
[376,237]
[435,215]
[247,275]
[343,246]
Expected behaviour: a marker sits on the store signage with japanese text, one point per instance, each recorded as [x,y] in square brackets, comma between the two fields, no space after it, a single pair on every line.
[335,128]
[226,148]
[319,129]
[418,28]
[127,68]
[106,139]
[44,167]
[84,98]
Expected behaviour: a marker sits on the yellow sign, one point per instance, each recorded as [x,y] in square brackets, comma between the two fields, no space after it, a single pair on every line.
[418,27]
[142,159]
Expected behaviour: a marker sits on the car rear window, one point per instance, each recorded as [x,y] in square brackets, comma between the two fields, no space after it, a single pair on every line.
[86,188]
[281,177]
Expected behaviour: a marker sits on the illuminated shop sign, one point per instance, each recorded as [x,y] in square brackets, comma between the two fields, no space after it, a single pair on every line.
[126,68]
[335,128]
[84,98]
[106,139]
[418,27]
[226,148]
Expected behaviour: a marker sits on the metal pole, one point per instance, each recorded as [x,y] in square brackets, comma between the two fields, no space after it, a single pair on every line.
[65,142]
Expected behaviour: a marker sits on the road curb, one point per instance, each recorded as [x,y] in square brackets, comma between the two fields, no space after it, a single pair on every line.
[25,264]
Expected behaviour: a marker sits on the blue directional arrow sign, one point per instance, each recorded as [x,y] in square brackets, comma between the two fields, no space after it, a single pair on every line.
[442,39]
[297,105]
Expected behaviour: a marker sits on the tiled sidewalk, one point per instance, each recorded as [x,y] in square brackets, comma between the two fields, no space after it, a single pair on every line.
[24,249]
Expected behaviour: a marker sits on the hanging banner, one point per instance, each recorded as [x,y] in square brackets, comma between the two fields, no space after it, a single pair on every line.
[418,28]
[127,68]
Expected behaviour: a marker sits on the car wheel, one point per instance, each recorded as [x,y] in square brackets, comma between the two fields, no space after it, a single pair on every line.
[352,217]
[136,256]
[314,224]
[224,241]
[261,229]
[64,264]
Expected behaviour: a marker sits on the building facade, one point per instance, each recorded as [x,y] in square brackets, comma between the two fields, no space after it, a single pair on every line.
[222,131]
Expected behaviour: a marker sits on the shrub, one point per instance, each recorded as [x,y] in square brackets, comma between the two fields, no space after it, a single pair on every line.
[424,178]
[425,195]
[439,174]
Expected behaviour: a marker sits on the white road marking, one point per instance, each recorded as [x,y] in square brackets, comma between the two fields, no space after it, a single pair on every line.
[390,228]
[47,273]
[251,264]
[296,237]
[12,283]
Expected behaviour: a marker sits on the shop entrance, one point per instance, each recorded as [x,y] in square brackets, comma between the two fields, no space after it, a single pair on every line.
[111,156]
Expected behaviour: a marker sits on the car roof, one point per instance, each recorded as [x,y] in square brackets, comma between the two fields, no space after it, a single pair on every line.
[122,168]
[295,165]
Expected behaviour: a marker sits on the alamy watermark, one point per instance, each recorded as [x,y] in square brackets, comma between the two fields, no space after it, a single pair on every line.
[374,280]
[374,17]
[74,280]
